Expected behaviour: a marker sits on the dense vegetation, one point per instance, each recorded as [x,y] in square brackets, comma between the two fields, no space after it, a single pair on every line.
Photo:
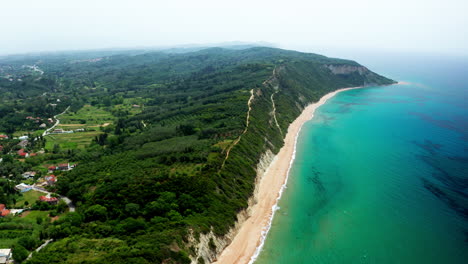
[155,176]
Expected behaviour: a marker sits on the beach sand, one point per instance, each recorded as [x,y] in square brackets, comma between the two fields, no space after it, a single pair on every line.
[248,242]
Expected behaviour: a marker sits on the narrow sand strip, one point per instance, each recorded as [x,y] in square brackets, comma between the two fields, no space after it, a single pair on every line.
[249,240]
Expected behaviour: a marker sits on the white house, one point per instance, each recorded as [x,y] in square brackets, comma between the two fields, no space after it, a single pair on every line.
[29,174]
[5,255]
[22,187]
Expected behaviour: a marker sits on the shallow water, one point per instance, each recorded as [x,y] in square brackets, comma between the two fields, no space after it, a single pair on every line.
[381,176]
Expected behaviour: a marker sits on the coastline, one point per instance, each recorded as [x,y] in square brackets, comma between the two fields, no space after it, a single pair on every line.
[248,242]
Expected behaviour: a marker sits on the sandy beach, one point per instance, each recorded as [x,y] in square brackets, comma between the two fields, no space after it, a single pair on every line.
[248,242]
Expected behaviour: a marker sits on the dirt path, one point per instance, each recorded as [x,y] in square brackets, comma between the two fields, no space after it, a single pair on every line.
[271,82]
[249,104]
[39,248]
[274,113]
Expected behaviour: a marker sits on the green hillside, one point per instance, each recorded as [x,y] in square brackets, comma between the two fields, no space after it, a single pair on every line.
[186,160]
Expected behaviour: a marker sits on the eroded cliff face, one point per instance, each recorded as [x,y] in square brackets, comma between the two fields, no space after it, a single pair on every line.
[347,69]
[209,246]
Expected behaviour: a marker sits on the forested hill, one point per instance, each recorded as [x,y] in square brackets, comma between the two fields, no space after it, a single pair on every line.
[185,164]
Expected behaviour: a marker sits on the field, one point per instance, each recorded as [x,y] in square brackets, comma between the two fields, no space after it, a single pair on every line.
[12,228]
[87,117]
[25,133]
[76,140]
[30,196]
[33,215]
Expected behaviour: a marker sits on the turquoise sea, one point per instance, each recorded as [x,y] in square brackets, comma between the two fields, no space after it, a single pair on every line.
[381,173]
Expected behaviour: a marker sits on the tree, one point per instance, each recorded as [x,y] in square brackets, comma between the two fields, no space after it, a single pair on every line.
[132,209]
[19,253]
[56,148]
[27,242]
[96,212]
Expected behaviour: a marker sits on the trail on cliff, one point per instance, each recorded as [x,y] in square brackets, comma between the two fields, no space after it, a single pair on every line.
[249,104]
[270,81]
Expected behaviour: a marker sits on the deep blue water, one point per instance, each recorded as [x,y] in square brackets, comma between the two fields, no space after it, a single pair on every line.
[381,173]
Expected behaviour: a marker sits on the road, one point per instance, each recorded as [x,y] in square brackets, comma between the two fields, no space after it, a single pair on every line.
[39,248]
[56,122]
[67,200]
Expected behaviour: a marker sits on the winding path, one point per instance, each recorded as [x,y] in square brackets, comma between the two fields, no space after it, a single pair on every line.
[274,112]
[39,248]
[249,104]
[56,122]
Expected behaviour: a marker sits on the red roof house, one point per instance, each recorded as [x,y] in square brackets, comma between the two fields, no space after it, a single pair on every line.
[3,137]
[51,200]
[3,210]
[64,166]
[51,179]
[22,153]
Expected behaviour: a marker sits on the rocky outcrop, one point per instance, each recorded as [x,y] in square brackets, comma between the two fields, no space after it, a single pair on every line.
[209,246]
[346,69]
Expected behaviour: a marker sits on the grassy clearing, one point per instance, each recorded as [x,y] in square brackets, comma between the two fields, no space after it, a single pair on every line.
[77,140]
[31,196]
[33,215]
[87,117]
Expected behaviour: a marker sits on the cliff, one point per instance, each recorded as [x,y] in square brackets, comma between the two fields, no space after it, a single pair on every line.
[279,100]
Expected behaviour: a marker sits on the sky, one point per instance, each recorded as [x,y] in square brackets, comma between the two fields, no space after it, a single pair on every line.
[392,25]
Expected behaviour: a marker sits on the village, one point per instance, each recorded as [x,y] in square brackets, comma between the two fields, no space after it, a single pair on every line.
[34,189]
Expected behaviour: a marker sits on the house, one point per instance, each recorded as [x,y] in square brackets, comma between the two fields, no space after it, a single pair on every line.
[2,137]
[135,106]
[51,168]
[23,153]
[79,130]
[5,255]
[43,125]
[23,143]
[3,211]
[22,187]
[29,174]
[51,179]
[64,167]
[23,137]
[50,200]
[58,131]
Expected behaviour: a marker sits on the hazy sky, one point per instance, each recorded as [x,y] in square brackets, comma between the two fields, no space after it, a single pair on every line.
[400,25]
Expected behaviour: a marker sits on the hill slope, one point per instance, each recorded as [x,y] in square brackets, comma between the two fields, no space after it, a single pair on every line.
[186,164]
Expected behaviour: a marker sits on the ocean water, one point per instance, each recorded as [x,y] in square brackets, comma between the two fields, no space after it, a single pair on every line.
[381,173]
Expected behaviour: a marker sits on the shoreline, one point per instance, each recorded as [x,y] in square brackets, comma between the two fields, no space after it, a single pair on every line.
[250,238]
